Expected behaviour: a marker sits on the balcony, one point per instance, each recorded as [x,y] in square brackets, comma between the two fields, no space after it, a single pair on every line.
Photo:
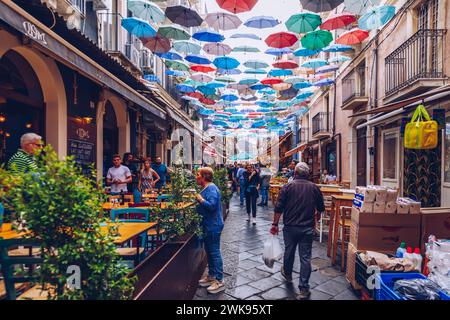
[303,135]
[320,125]
[352,96]
[417,65]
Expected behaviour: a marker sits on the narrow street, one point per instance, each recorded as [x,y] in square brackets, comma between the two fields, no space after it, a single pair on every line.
[247,277]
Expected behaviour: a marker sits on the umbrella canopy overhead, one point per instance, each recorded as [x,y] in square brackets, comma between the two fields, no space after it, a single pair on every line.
[376,17]
[225,79]
[217,49]
[174,32]
[138,27]
[359,7]
[303,22]
[303,52]
[338,21]
[278,51]
[171,55]
[324,82]
[314,63]
[353,37]
[184,16]
[157,44]
[177,65]
[279,72]
[271,81]
[281,40]
[337,48]
[327,69]
[237,6]
[225,62]
[246,49]
[229,71]
[201,77]
[146,10]
[317,39]
[215,85]
[245,36]
[202,68]
[320,5]
[285,64]
[187,47]
[248,81]
[339,59]
[197,59]
[223,21]
[255,71]
[262,22]
[208,36]
[256,64]
[294,80]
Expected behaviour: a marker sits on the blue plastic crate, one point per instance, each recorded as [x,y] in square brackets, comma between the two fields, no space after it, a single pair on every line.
[387,280]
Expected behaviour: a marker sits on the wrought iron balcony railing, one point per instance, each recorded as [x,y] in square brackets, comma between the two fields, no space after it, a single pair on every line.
[320,123]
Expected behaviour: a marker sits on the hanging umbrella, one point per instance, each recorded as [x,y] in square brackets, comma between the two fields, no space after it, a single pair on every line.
[201,77]
[314,63]
[171,55]
[281,86]
[262,22]
[327,69]
[184,88]
[206,90]
[187,47]
[223,21]
[302,85]
[281,40]
[289,93]
[237,86]
[246,49]
[183,16]
[206,112]
[353,37]
[188,98]
[267,90]
[225,79]
[271,81]
[202,68]
[320,5]
[259,86]
[338,21]
[279,72]
[303,22]
[229,71]
[146,10]
[177,65]
[256,64]
[359,7]
[217,49]
[285,64]
[138,27]
[255,71]
[237,6]
[324,83]
[225,62]
[337,48]
[175,73]
[304,95]
[157,44]
[278,52]
[339,59]
[215,85]
[317,39]
[208,36]
[197,59]
[303,52]
[196,95]
[220,123]
[376,17]
[173,32]
[245,36]
[229,97]
[294,80]
[207,101]
[248,81]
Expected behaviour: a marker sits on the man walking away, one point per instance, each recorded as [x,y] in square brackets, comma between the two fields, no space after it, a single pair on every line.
[240,178]
[251,177]
[298,202]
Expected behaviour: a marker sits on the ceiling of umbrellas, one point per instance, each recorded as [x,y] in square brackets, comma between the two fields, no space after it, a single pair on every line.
[251,96]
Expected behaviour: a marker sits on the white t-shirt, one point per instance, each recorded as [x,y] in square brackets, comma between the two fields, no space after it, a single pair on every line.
[121,173]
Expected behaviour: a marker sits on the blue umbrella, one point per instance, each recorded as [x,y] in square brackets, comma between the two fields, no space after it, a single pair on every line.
[225,62]
[324,82]
[337,48]
[197,59]
[278,52]
[215,85]
[305,95]
[138,27]
[289,93]
[314,63]
[223,116]
[256,64]
[229,71]
[206,112]
[258,124]
[280,72]
[245,36]
[302,85]
[262,22]
[267,90]
[304,52]
[327,69]
[208,36]
[248,81]
[229,97]
[184,88]
[231,110]
[376,17]
[175,73]
[265,104]
[251,98]
[206,90]
[171,55]
[339,59]
[255,71]
[279,109]
[220,123]
[259,86]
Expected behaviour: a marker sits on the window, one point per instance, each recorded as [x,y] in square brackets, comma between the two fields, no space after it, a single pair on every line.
[390,155]
[447,151]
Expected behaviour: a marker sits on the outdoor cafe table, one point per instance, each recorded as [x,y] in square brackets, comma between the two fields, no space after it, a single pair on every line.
[10,234]
[338,202]
[162,205]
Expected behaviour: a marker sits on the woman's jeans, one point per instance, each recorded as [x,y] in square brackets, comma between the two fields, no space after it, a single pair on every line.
[242,189]
[264,195]
[212,248]
[250,203]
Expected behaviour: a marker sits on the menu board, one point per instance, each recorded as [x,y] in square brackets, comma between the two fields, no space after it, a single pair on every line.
[83,152]
[81,143]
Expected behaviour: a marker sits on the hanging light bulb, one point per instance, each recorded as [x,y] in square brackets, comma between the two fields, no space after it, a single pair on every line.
[28,125]
[2,118]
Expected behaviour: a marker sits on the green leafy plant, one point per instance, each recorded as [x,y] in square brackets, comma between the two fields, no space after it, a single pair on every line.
[62,209]
[220,179]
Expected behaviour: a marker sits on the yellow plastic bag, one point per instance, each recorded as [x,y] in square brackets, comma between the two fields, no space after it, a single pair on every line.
[421,132]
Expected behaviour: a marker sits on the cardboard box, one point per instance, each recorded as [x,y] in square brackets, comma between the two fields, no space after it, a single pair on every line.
[383,232]
[435,221]
[351,267]
[403,208]
[391,207]
[379,206]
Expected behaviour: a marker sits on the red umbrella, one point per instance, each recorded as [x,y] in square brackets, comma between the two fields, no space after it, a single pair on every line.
[196,95]
[281,40]
[271,81]
[285,64]
[237,6]
[337,21]
[207,101]
[352,37]
[202,68]
[157,44]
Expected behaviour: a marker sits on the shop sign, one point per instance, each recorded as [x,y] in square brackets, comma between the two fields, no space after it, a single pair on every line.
[33,32]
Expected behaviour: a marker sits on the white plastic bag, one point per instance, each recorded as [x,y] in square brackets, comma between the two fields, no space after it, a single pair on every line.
[272,251]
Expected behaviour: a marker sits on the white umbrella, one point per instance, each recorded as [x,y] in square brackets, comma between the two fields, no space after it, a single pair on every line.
[359,7]
[201,77]
[223,21]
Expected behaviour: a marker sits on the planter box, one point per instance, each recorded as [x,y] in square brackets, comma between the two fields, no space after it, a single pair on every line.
[171,272]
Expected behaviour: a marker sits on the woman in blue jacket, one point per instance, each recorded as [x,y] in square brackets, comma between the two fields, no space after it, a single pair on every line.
[210,208]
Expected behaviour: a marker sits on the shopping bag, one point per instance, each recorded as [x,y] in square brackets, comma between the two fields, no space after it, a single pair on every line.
[421,132]
[272,251]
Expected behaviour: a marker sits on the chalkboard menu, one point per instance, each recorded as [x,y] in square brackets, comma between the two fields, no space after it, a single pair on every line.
[81,143]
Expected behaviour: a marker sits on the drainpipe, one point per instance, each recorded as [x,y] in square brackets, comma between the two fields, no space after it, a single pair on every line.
[375,105]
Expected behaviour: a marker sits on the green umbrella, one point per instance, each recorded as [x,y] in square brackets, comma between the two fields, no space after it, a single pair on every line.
[173,32]
[225,79]
[177,65]
[317,39]
[303,22]
[246,49]
[187,47]
[146,10]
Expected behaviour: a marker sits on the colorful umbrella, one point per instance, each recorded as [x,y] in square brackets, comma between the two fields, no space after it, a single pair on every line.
[314,63]
[376,17]
[245,36]
[157,44]
[246,49]
[138,27]
[302,85]
[339,59]
[303,52]
[337,48]
[183,16]
[196,95]
[281,86]
[259,86]
[324,83]
[146,10]
[229,97]
[177,65]
[229,71]
[225,62]
[197,59]
[225,79]
[206,112]
[305,95]
[217,49]
[202,68]
[256,64]
[320,5]
[255,71]
[201,77]
[215,85]
[208,36]
[271,81]
[248,81]
[174,32]
[237,6]
[317,39]
[294,80]
[281,40]
[285,64]
[223,21]
[171,55]
[237,86]
[327,69]
[303,22]
[187,47]
[353,37]
[206,90]
[184,88]
[279,72]
[175,73]
[207,101]
[278,52]
[262,22]
[288,94]
[338,21]
[359,7]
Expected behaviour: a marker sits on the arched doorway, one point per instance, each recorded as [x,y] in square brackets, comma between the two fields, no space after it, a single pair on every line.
[22,107]
[110,136]
[361,156]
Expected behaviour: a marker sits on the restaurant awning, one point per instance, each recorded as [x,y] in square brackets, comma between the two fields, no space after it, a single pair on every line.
[298,148]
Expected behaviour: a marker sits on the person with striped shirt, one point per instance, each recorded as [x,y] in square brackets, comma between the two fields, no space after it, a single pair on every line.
[23,160]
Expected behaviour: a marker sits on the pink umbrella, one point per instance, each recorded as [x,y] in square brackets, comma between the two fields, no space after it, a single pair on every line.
[201,77]
[281,40]
[157,44]
[337,21]
[217,49]
[285,64]
[353,37]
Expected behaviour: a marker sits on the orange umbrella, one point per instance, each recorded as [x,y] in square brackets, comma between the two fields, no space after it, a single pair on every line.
[353,37]
[202,68]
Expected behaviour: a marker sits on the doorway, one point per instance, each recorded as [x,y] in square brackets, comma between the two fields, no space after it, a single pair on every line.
[361,156]
[110,136]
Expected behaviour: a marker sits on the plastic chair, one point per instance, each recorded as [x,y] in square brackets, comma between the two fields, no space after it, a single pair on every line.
[325,218]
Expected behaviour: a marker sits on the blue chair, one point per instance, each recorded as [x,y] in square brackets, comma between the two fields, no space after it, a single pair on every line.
[2,212]
[164,197]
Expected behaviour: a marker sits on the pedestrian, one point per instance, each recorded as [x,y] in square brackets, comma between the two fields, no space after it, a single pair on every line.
[235,181]
[210,208]
[162,171]
[148,177]
[264,183]
[118,176]
[24,159]
[130,162]
[241,180]
[298,202]
[251,177]
[291,169]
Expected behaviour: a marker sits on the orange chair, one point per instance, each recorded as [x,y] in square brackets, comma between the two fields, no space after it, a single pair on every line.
[342,235]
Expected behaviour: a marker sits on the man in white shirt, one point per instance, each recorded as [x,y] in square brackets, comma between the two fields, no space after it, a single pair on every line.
[118,176]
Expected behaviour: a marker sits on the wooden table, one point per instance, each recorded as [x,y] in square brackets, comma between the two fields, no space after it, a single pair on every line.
[162,205]
[10,234]
[326,191]
[338,202]
[129,230]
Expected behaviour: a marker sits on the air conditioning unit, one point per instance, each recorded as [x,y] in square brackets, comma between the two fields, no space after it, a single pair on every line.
[135,56]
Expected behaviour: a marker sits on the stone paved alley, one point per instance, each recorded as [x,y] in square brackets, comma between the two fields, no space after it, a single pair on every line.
[248,278]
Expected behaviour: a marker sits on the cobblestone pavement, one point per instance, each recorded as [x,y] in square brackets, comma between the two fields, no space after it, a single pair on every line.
[247,277]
